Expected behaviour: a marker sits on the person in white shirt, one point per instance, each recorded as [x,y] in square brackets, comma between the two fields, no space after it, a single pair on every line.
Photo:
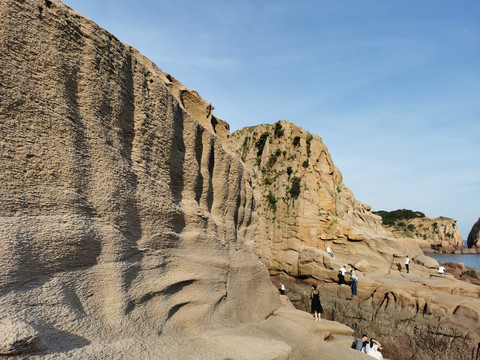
[407,264]
[330,251]
[441,269]
[372,349]
[282,289]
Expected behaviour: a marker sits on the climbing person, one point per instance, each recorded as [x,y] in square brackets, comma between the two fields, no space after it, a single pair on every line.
[441,269]
[282,289]
[407,264]
[317,309]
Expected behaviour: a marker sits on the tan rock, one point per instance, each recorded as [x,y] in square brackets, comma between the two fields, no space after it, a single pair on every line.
[127,223]
[18,337]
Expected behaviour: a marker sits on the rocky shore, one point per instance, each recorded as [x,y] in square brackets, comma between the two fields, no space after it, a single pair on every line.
[419,315]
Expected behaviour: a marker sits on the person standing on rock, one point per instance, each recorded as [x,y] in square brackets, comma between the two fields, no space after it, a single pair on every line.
[353,281]
[282,289]
[341,275]
[407,264]
[317,309]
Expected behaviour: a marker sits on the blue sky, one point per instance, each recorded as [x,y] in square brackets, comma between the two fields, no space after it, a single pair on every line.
[392,87]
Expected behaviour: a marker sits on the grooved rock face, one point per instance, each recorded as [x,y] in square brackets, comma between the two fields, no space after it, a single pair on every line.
[126,223]
[304,209]
[473,240]
[301,199]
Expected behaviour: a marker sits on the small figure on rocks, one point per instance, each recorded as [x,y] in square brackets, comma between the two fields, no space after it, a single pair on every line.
[341,275]
[317,309]
[372,349]
[361,343]
[441,269]
[407,264]
[282,289]
[353,281]
[330,251]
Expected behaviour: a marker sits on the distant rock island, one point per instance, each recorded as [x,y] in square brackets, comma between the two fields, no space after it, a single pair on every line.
[135,226]
[439,234]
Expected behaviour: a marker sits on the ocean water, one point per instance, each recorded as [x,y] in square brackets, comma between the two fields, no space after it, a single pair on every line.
[471,260]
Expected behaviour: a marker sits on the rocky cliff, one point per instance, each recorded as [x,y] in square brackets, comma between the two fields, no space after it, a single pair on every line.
[473,240]
[303,205]
[127,224]
[304,208]
[439,234]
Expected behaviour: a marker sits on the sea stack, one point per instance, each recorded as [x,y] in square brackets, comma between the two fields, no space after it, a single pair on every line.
[473,240]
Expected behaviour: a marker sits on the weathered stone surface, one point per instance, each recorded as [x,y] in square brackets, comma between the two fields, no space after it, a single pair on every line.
[392,305]
[473,240]
[438,320]
[439,234]
[321,213]
[127,223]
[17,337]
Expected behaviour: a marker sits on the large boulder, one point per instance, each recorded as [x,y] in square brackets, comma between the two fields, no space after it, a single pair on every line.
[473,240]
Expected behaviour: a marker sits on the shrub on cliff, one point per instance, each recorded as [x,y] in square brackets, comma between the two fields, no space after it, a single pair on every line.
[295,189]
[390,217]
[278,132]
[260,143]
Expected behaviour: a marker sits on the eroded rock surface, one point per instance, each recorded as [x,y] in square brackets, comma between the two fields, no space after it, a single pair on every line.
[419,315]
[127,223]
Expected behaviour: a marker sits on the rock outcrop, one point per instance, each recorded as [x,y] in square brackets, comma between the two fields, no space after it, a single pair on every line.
[127,223]
[304,209]
[303,205]
[439,234]
[473,240]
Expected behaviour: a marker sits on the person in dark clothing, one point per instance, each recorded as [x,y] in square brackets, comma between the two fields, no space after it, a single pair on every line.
[317,309]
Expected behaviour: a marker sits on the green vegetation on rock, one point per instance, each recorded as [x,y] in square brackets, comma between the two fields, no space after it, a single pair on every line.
[390,217]
[278,132]
[260,143]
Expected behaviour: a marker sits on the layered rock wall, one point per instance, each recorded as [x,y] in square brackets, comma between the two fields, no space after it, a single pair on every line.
[303,205]
[304,209]
[126,226]
[432,234]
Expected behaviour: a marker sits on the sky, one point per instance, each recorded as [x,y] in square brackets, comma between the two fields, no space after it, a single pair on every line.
[392,87]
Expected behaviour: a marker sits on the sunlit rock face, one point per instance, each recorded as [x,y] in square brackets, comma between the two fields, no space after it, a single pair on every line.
[126,223]
[304,209]
[302,201]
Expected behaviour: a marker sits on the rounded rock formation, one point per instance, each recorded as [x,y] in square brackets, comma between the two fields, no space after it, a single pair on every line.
[473,240]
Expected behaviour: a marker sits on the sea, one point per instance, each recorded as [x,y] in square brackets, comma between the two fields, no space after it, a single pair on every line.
[471,260]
